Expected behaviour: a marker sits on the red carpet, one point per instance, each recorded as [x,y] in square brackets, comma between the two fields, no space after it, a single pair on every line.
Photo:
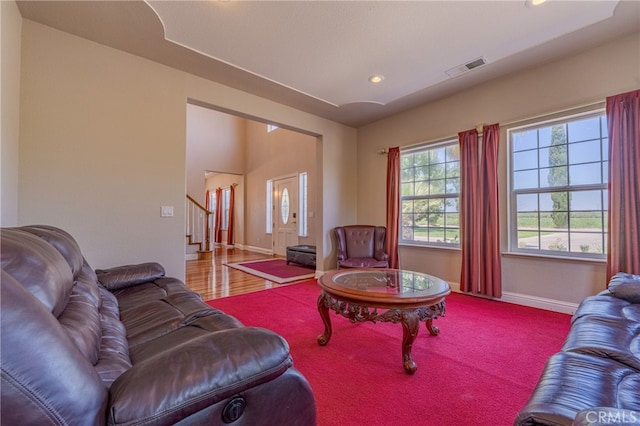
[480,370]
[275,270]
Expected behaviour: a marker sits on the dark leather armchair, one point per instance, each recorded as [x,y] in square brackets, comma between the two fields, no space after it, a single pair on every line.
[362,246]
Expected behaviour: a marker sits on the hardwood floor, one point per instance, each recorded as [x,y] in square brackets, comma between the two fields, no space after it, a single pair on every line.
[212,279]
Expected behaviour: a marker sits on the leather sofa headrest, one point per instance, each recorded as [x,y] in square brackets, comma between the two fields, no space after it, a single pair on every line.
[38,267]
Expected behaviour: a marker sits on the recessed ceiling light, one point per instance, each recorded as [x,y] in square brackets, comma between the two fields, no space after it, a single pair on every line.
[533,3]
[375,79]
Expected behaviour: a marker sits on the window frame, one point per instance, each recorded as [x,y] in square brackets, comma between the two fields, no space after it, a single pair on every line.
[512,193]
[426,147]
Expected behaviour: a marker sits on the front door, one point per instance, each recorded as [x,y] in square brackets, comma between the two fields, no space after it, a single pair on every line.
[285,214]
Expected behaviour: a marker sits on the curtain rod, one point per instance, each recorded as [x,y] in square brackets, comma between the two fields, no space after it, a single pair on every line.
[600,103]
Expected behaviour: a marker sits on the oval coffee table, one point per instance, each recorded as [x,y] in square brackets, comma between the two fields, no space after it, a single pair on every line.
[404,296]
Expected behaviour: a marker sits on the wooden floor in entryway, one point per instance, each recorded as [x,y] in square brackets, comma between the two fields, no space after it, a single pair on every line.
[212,279]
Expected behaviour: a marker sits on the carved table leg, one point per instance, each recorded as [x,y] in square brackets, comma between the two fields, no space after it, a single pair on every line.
[433,330]
[410,326]
[324,301]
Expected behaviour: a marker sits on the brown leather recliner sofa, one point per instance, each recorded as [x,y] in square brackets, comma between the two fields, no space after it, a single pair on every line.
[595,378]
[129,346]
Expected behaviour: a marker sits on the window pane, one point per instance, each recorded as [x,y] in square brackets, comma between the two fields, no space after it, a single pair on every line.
[527,202]
[585,174]
[586,200]
[407,175]
[528,221]
[526,179]
[437,155]
[586,243]
[525,140]
[525,160]
[453,152]
[421,187]
[587,221]
[453,186]
[528,240]
[453,169]
[583,130]
[557,241]
[584,152]
[554,177]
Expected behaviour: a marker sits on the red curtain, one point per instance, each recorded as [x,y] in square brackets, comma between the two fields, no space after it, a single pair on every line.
[218,223]
[623,122]
[230,226]
[393,205]
[481,270]
[469,217]
[490,264]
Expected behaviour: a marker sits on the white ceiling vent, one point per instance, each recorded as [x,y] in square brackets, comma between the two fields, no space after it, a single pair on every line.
[461,69]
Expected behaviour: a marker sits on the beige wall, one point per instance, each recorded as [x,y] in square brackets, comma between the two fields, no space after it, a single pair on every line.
[10,30]
[215,142]
[574,81]
[103,141]
[272,155]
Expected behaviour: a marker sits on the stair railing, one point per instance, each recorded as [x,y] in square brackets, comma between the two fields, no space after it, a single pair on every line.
[199,224]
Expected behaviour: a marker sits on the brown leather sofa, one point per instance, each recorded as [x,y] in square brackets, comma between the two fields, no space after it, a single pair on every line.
[361,246]
[595,378]
[129,346]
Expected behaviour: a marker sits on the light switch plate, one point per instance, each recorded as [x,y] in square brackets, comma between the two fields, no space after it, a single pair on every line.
[166,211]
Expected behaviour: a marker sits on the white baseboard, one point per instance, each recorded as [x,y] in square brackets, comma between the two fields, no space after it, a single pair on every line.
[531,301]
[258,250]
[539,302]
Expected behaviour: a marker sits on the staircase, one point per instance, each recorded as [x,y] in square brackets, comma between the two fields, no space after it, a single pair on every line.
[199,229]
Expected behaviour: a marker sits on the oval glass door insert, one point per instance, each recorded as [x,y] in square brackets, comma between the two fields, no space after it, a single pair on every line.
[284,206]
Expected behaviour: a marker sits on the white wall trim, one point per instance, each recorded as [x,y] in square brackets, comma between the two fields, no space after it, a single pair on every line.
[527,300]
[257,249]
[539,302]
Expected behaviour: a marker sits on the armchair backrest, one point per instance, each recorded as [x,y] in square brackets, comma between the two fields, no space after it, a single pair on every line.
[361,242]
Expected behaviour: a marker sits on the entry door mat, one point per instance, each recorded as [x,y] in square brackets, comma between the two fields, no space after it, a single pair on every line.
[275,270]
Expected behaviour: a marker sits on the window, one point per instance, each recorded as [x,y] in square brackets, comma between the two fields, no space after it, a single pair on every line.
[302,199]
[558,200]
[271,128]
[226,198]
[430,195]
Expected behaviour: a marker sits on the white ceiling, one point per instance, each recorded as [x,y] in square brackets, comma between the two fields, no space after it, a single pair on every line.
[318,55]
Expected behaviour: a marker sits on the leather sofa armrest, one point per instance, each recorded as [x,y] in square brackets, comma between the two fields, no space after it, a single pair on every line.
[625,286]
[196,374]
[129,275]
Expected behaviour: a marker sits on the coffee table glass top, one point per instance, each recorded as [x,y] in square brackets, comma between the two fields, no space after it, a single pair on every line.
[384,282]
